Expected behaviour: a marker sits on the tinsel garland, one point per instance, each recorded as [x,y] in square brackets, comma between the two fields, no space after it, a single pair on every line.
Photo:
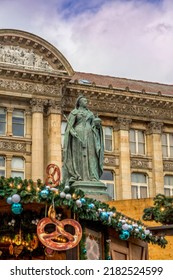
[85,208]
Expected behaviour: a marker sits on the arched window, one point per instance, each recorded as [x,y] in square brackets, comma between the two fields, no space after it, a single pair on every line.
[139,185]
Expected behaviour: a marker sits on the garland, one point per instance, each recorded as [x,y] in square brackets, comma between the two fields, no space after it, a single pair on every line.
[162,212]
[18,192]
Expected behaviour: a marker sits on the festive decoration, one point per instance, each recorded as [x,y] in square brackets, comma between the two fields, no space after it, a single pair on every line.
[53,175]
[17,208]
[89,209]
[125,234]
[161,212]
[58,239]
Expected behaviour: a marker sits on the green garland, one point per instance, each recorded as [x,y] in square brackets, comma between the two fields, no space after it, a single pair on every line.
[85,208]
[162,212]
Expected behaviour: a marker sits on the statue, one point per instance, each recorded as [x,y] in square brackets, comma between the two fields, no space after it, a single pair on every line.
[83,145]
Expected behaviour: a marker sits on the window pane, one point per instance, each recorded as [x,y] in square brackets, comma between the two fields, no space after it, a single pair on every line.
[132,135]
[133,148]
[107,175]
[164,139]
[2,161]
[2,173]
[108,138]
[167,192]
[17,163]
[140,136]
[138,178]
[171,139]
[168,180]
[143,192]
[110,190]
[134,192]
[2,121]
[141,149]
[18,123]
[17,174]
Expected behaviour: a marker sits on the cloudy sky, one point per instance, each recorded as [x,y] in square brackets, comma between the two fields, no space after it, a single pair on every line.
[122,38]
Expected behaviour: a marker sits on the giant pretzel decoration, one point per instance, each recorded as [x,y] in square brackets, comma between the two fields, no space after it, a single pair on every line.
[53,175]
[53,240]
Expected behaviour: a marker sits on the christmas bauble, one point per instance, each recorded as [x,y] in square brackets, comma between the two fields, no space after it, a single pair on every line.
[124,235]
[15,198]
[44,193]
[17,208]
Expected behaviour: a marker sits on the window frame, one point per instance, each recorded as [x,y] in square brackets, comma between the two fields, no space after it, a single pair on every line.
[139,185]
[16,123]
[136,142]
[105,139]
[18,170]
[167,146]
[168,187]
[4,122]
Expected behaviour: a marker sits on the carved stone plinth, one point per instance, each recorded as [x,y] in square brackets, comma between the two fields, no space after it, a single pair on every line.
[93,189]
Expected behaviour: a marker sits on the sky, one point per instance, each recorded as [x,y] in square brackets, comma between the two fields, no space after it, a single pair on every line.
[122,38]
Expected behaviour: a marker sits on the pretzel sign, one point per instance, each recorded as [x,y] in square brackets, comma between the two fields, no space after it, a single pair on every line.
[53,175]
[59,239]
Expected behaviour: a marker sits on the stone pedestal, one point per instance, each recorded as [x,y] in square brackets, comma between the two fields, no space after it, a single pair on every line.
[93,189]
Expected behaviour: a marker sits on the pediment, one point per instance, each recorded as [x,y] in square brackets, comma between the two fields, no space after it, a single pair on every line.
[21,49]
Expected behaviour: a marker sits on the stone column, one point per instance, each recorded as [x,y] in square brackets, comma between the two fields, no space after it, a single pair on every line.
[124,186]
[37,139]
[9,121]
[54,148]
[8,166]
[155,148]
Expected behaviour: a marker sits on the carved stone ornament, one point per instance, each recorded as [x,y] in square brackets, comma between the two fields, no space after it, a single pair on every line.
[23,57]
[109,161]
[12,146]
[155,127]
[123,124]
[31,88]
[54,107]
[140,163]
[168,166]
[38,105]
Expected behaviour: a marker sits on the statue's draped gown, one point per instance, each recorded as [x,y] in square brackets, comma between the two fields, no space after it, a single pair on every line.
[83,153]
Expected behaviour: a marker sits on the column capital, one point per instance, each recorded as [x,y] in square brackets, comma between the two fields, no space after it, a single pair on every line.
[122,124]
[154,127]
[54,107]
[38,105]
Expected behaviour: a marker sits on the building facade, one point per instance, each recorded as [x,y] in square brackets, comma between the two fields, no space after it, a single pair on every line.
[38,89]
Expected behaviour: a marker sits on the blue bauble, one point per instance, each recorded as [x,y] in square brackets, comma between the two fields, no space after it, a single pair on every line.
[17,208]
[104,216]
[44,193]
[83,200]
[9,200]
[124,235]
[91,206]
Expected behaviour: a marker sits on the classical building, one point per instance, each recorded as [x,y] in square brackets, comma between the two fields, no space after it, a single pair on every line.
[38,89]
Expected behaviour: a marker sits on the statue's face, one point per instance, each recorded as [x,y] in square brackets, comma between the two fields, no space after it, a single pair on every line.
[83,102]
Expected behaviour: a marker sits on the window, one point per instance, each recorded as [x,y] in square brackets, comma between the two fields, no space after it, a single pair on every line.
[63,127]
[17,167]
[108,179]
[139,185]
[108,135]
[2,166]
[167,145]
[168,185]
[137,142]
[2,121]
[18,123]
